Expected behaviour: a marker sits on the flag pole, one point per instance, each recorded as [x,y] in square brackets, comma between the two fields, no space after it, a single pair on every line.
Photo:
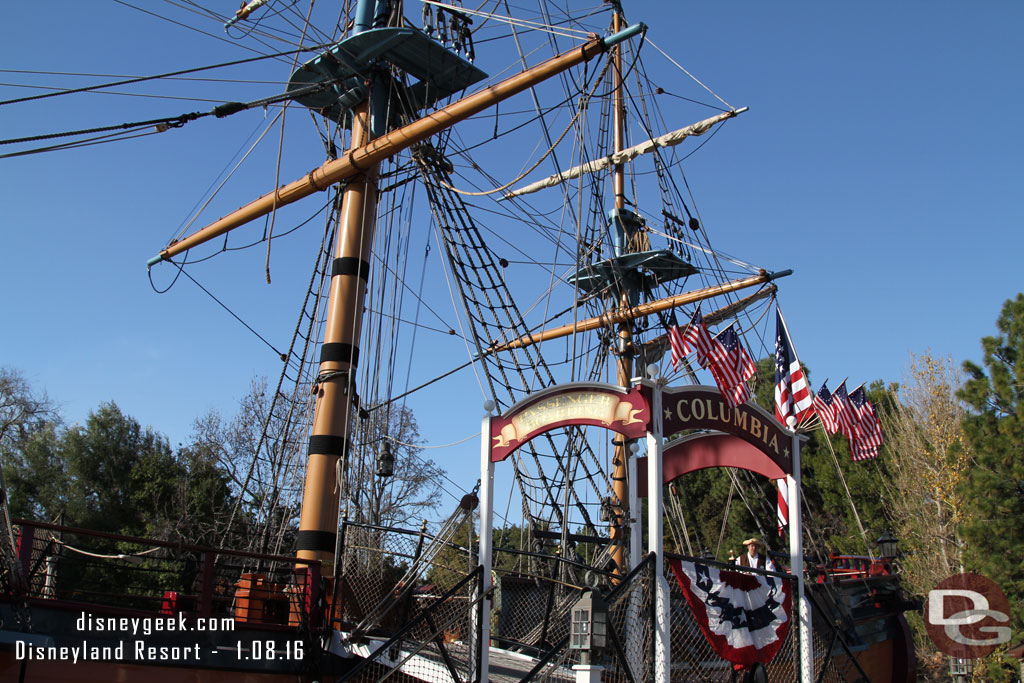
[796,565]
[796,534]
[785,326]
[732,324]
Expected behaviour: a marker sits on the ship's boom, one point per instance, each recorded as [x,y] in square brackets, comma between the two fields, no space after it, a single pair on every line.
[357,160]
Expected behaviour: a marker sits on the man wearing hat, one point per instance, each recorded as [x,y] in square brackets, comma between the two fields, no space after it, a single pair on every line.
[753,557]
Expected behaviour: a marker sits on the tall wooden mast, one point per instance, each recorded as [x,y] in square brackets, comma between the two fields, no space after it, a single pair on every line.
[624,370]
[335,387]
[339,358]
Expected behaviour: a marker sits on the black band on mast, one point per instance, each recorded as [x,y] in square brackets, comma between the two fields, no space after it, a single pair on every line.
[350,265]
[339,352]
[326,444]
[323,541]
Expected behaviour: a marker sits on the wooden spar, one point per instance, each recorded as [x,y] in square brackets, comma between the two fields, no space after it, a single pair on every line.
[639,311]
[715,317]
[358,160]
[667,140]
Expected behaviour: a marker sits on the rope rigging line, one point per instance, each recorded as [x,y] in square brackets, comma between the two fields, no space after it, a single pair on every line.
[280,151]
[82,74]
[725,518]
[524,173]
[447,445]
[455,236]
[169,74]
[849,496]
[169,121]
[695,79]
[313,297]
[191,27]
[225,248]
[181,269]
[196,210]
[119,556]
[151,96]
[533,92]
[102,139]
[162,124]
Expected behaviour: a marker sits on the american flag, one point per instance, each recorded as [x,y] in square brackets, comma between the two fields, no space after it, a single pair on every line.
[696,336]
[676,342]
[861,451]
[869,427]
[793,400]
[846,416]
[826,411]
[782,511]
[731,366]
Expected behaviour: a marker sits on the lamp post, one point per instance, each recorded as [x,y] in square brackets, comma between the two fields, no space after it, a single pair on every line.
[961,669]
[589,635]
[888,545]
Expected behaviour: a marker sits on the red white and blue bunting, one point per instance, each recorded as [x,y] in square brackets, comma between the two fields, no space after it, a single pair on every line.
[744,616]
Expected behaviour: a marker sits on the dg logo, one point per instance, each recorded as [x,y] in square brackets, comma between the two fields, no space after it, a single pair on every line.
[963,616]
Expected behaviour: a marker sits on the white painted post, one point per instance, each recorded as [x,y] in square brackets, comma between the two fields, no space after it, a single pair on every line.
[796,563]
[486,542]
[588,673]
[634,637]
[655,537]
[636,537]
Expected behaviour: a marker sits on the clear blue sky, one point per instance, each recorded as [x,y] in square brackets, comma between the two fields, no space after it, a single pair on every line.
[880,159]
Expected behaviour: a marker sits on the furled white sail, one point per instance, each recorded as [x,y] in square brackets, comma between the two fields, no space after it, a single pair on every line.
[666,140]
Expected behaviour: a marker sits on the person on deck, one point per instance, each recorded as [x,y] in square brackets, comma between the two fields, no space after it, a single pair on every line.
[753,556]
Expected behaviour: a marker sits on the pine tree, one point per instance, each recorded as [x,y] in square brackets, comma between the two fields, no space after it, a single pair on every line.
[995,430]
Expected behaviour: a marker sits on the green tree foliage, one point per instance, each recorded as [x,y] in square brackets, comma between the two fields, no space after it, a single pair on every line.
[108,475]
[995,430]
[113,475]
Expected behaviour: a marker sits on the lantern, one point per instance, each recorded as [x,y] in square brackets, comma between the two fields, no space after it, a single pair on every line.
[589,632]
[887,544]
[385,461]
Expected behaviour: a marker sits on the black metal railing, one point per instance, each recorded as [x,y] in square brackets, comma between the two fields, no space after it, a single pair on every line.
[421,645]
[71,567]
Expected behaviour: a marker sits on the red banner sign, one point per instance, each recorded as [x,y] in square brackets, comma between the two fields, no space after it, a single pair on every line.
[583,403]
